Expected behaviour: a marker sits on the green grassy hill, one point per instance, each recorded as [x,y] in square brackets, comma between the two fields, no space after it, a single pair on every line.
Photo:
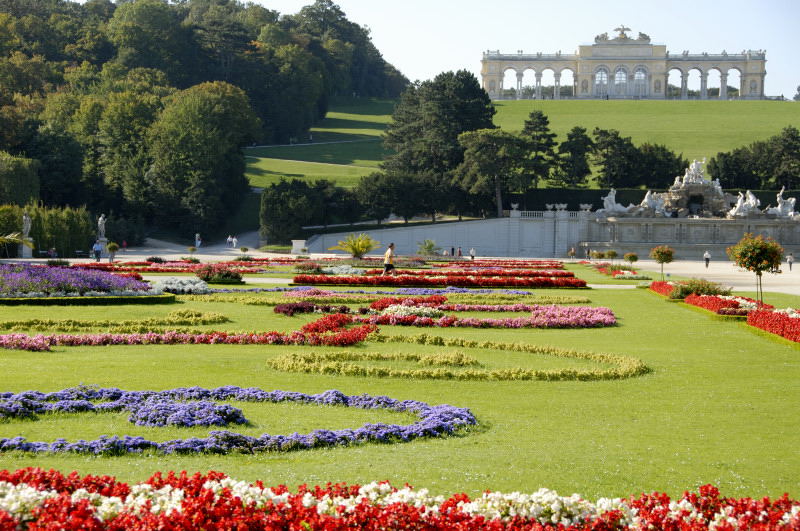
[346,145]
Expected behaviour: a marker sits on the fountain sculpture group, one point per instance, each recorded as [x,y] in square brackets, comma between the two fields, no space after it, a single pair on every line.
[694,196]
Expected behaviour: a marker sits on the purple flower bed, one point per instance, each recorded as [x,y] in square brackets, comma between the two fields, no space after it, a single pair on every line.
[18,279]
[434,421]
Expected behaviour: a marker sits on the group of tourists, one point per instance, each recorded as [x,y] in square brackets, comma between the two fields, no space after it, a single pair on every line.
[233,241]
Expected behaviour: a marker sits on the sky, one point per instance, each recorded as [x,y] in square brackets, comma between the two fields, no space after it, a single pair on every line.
[425,37]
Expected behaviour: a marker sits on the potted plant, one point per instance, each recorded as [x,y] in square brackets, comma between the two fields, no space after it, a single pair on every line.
[112,248]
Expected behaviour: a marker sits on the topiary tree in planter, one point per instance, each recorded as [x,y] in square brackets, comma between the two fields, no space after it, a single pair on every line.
[663,254]
[112,248]
[757,254]
[630,258]
[611,254]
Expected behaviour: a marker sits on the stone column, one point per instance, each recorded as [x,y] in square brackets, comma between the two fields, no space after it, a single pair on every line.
[761,89]
[666,85]
[704,85]
[557,86]
[538,85]
[684,86]
[723,86]
[519,85]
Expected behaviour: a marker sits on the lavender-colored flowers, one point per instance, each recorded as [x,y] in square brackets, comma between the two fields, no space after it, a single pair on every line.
[154,407]
[19,279]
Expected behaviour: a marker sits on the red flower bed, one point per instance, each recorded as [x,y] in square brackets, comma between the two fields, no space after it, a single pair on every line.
[723,306]
[215,502]
[778,323]
[479,273]
[662,288]
[466,282]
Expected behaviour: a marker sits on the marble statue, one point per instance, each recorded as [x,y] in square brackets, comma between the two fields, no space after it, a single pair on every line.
[26,225]
[610,205]
[101,227]
[746,204]
[654,202]
[785,208]
[752,201]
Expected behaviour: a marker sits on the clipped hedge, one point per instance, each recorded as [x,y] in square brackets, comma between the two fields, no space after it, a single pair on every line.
[166,298]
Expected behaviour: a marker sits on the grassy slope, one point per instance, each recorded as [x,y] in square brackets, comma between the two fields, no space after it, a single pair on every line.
[354,127]
[695,128]
[717,407]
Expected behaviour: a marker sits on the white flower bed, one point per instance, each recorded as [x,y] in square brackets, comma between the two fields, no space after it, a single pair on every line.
[401,310]
[743,303]
[342,270]
[181,285]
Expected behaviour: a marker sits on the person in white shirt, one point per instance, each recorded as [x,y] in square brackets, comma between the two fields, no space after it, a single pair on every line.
[707,258]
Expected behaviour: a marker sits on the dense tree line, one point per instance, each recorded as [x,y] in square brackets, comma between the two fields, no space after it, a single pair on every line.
[141,107]
[764,165]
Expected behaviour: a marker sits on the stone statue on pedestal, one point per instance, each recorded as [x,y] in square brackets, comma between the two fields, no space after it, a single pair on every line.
[101,227]
[26,225]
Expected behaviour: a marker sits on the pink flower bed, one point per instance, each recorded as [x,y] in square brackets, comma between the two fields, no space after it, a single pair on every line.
[516,264]
[479,273]
[40,499]
[462,281]
[542,316]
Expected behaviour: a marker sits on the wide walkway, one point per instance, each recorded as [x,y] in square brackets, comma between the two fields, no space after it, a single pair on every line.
[726,273]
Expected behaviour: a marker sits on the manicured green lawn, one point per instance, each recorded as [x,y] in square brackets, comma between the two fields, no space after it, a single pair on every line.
[262,172]
[718,407]
[695,128]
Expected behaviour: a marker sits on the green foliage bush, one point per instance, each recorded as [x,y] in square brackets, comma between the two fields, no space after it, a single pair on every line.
[698,286]
[218,274]
[64,228]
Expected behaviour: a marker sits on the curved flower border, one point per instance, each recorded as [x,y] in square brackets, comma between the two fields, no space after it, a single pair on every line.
[434,421]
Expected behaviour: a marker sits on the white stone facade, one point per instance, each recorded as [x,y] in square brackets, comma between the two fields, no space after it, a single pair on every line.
[623,67]
[551,233]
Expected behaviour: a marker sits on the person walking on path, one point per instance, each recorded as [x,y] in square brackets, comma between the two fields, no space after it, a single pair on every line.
[707,257]
[472,253]
[97,249]
[234,242]
[230,240]
[388,260]
[197,240]
[460,254]
[790,260]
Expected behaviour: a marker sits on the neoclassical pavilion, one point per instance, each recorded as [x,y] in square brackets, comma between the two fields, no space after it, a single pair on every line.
[623,67]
